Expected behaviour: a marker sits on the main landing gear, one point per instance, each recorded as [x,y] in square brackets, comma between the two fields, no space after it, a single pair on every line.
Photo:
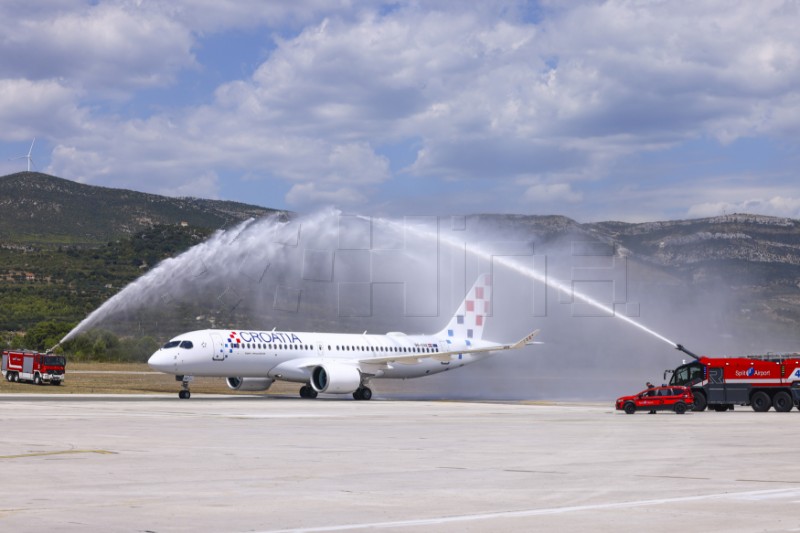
[184,393]
[362,393]
[307,391]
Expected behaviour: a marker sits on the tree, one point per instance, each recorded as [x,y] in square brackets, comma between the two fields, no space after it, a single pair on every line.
[46,335]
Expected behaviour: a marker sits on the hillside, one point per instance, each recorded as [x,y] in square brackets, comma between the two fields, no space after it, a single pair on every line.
[65,248]
[45,211]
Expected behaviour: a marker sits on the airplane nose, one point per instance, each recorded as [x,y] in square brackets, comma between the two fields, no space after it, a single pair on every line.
[161,361]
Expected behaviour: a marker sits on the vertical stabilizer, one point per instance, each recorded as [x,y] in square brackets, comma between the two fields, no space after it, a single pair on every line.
[469,320]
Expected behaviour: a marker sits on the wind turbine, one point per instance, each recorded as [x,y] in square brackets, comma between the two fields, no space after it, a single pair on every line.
[28,156]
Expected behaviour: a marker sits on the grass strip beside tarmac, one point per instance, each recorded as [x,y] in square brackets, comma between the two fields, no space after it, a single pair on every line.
[128,378]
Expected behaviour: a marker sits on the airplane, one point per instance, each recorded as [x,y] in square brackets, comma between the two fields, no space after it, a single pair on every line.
[333,363]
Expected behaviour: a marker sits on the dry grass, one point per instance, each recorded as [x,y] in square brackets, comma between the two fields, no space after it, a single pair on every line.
[128,378]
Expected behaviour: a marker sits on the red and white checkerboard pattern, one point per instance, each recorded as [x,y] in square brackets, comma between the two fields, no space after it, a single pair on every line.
[471,316]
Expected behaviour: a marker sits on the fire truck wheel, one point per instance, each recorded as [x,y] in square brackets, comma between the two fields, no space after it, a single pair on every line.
[782,402]
[700,402]
[630,408]
[9,376]
[14,376]
[760,401]
[37,379]
[680,408]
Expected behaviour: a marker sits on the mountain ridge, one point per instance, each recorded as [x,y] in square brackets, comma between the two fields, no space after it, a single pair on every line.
[44,210]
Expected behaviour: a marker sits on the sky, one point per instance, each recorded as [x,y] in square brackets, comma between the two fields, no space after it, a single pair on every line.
[618,110]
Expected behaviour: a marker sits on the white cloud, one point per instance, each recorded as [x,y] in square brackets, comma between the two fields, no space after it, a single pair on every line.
[30,108]
[552,192]
[108,48]
[479,94]
[311,195]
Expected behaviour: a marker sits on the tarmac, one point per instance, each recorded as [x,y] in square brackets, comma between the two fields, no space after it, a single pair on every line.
[110,463]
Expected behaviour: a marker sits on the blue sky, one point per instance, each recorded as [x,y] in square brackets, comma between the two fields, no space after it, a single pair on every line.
[617,110]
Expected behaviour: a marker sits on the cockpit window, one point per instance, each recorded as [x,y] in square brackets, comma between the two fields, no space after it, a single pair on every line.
[171,344]
[187,345]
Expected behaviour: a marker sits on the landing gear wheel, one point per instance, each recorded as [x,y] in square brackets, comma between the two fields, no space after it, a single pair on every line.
[760,402]
[307,391]
[782,402]
[362,393]
[630,408]
[184,393]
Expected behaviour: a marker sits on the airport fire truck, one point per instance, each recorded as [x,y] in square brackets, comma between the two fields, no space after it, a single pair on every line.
[33,367]
[760,381]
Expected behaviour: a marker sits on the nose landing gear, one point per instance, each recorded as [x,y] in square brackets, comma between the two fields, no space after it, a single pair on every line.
[184,393]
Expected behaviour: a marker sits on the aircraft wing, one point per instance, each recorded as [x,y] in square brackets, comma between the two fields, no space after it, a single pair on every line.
[411,359]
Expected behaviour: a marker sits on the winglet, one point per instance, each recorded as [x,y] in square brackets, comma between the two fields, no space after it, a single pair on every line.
[527,340]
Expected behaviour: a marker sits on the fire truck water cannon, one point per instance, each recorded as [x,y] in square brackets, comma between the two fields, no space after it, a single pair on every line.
[687,352]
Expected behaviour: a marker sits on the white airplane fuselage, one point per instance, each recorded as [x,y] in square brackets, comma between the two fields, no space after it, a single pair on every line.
[289,356]
[338,363]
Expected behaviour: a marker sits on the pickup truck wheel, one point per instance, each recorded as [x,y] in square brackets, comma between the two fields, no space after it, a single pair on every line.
[760,402]
[630,408]
[782,402]
[680,408]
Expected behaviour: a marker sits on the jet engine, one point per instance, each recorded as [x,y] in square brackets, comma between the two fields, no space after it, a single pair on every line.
[249,384]
[335,379]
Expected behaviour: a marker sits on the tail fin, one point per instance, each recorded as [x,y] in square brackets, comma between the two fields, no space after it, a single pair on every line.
[470,318]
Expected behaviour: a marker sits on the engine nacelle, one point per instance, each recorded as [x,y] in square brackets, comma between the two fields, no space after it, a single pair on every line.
[335,379]
[249,384]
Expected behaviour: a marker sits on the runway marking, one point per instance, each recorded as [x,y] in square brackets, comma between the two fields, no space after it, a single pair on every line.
[768,481]
[679,477]
[62,452]
[540,512]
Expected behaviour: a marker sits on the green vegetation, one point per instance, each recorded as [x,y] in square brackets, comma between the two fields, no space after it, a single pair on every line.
[45,293]
[45,211]
[66,247]
[100,345]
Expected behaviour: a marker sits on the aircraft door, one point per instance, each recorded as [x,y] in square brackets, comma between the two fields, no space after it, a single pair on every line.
[218,353]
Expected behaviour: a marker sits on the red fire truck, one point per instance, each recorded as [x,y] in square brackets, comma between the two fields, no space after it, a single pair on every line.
[38,368]
[760,381]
